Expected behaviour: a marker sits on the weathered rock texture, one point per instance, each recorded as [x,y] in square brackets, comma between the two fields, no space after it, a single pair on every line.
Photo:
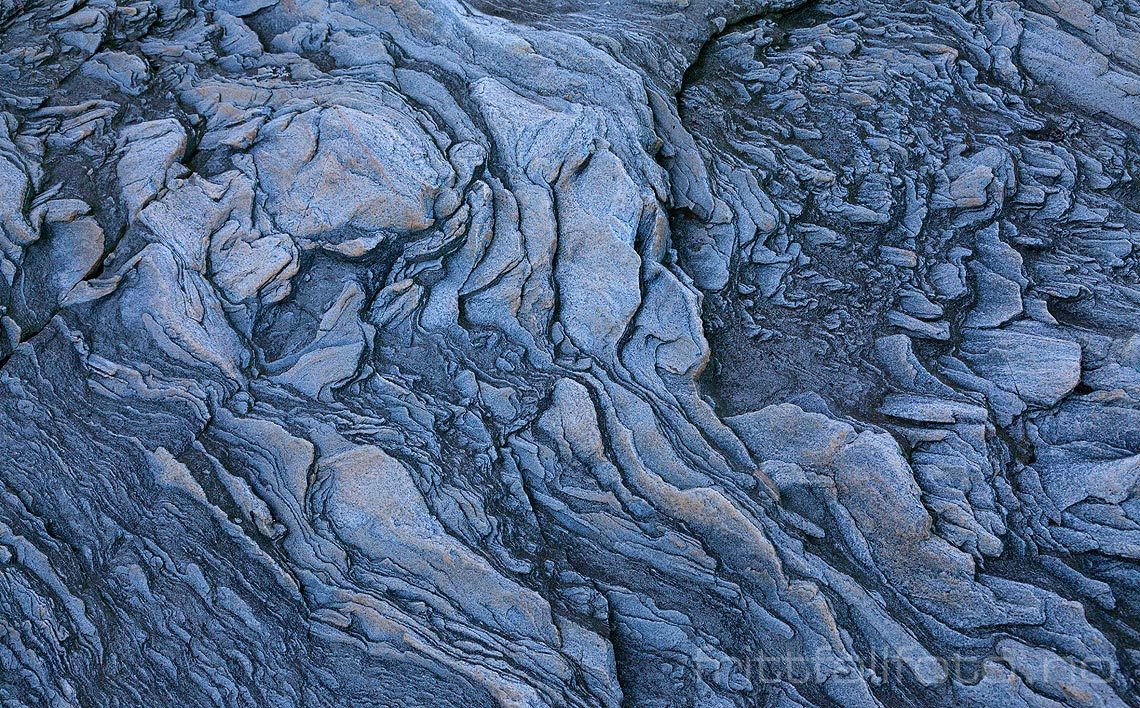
[569,353]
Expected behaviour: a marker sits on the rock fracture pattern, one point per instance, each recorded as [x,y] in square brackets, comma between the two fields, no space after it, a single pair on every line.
[570,353]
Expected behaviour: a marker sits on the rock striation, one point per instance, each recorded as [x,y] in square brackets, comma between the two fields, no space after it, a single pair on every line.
[569,353]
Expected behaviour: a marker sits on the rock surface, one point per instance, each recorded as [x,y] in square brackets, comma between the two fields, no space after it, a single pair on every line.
[569,353]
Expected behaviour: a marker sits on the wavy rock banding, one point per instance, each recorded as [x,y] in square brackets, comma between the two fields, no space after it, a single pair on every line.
[650,353]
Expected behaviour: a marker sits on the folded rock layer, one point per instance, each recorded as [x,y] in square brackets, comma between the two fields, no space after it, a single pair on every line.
[569,353]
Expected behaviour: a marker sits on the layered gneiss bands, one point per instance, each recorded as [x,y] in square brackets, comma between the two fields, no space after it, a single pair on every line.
[881,151]
[385,394]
